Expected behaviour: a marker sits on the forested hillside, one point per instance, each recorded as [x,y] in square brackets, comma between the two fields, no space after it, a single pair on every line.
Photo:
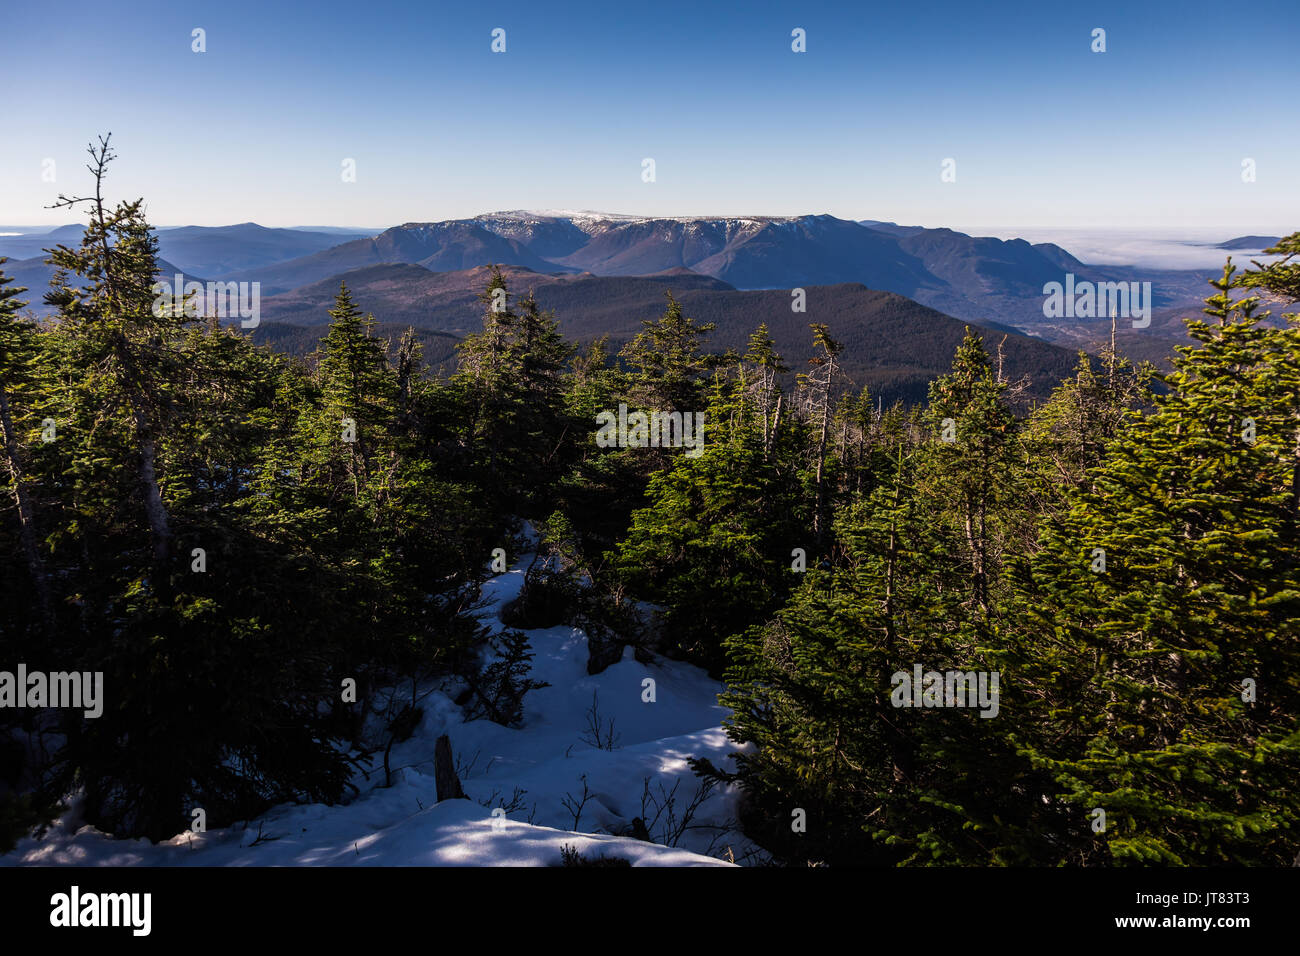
[891,344]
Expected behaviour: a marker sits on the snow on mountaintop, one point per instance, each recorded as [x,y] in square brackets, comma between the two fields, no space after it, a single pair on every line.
[557,214]
[402,825]
[587,215]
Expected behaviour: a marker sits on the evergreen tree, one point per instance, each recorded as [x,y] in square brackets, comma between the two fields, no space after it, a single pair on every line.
[129,344]
[813,692]
[358,392]
[1158,646]
[969,469]
[20,382]
[194,622]
[1070,433]
[715,541]
[511,374]
[767,367]
[667,361]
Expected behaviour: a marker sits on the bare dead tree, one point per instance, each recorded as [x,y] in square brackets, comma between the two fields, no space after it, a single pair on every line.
[599,735]
[575,804]
[820,383]
[516,801]
[676,823]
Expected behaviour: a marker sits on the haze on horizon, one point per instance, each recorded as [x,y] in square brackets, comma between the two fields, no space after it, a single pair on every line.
[1046,134]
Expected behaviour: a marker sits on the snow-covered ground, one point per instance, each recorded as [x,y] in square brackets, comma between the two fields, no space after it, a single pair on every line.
[546,758]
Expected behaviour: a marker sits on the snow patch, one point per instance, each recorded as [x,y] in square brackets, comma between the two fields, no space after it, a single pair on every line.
[544,768]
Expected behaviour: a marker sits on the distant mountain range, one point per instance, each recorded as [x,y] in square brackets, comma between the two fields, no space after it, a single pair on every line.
[34,275]
[416,273]
[981,280]
[198,250]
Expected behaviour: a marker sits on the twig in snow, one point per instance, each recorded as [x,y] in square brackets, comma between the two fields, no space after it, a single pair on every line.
[260,838]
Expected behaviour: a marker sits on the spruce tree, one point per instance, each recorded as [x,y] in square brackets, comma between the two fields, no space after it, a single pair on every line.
[667,361]
[715,541]
[1158,652]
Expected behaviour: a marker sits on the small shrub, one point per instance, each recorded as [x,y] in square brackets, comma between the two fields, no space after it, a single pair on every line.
[547,599]
[569,856]
[497,692]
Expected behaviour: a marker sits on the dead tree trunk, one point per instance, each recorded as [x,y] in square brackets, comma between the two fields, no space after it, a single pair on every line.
[444,772]
[776,423]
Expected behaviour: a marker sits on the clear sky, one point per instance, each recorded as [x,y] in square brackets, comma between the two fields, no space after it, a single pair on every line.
[1151,133]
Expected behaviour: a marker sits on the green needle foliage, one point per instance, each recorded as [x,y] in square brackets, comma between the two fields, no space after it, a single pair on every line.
[1166,693]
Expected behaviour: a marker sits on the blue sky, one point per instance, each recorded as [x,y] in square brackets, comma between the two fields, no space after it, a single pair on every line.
[1044,132]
